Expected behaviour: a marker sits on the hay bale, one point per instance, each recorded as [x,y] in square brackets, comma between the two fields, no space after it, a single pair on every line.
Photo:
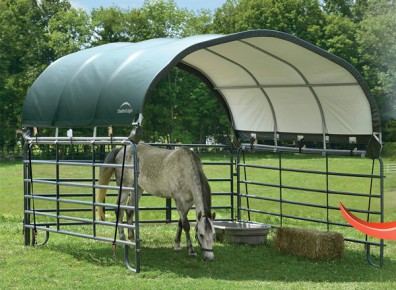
[312,244]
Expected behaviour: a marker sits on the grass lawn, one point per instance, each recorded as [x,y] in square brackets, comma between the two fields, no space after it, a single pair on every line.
[67,262]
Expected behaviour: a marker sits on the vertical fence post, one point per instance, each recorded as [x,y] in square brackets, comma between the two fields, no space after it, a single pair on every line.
[232,174]
[136,209]
[381,163]
[280,188]
[26,201]
[327,192]
[57,184]
[238,173]
[93,189]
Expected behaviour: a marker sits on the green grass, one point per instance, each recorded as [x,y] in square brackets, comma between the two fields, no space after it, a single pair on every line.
[389,150]
[67,262]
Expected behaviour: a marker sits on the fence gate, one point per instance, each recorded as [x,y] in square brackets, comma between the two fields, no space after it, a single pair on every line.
[59,192]
[284,188]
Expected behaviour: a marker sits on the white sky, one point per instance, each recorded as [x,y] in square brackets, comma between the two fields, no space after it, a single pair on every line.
[128,4]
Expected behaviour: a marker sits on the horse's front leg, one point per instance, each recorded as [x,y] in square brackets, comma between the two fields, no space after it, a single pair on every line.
[186,227]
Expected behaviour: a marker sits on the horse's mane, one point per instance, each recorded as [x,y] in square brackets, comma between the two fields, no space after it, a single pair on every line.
[206,191]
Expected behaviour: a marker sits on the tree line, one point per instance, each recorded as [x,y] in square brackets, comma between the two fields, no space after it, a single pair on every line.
[34,33]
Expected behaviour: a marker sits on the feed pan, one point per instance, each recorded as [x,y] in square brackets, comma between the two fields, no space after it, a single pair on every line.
[241,232]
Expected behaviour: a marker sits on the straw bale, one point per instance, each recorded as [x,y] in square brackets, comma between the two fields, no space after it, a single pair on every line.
[312,244]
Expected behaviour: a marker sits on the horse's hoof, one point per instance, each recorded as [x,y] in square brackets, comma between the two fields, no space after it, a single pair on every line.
[177,249]
[194,254]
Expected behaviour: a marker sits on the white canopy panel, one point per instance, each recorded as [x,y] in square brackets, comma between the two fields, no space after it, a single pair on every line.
[285,85]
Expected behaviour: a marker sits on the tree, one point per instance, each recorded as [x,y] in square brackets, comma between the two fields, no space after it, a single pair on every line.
[163,19]
[110,25]
[339,33]
[19,51]
[339,7]
[358,10]
[200,22]
[225,20]
[376,38]
[32,35]
[69,31]
[182,109]
[300,18]
[156,19]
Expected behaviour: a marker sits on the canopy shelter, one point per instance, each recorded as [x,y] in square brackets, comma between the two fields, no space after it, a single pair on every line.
[272,85]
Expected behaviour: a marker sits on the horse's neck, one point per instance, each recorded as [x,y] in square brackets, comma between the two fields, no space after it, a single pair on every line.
[199,207]
[202,204]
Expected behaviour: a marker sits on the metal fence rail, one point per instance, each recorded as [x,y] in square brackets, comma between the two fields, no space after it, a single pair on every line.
[265,192]
[390,168]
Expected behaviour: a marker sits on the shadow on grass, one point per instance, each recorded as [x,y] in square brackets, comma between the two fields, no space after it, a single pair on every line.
[236,263]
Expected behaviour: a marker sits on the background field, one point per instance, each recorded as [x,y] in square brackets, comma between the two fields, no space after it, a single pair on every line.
[68,262]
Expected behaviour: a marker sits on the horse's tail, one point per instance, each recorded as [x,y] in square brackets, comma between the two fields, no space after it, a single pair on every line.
[104,179]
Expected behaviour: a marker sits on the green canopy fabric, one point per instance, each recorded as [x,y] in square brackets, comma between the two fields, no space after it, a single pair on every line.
[271,84]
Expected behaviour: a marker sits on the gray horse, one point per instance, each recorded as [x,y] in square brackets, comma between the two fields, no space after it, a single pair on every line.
[165,173]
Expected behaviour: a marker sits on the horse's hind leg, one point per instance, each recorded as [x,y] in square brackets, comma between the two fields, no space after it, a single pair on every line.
[129,213]
[131,233]
[179,230]
[120,214]
[121,233]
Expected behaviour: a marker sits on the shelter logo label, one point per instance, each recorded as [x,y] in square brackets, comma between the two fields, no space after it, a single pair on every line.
[125,108]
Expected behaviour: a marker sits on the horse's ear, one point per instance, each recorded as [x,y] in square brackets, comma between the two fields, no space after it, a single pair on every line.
[199,215]
[213,216]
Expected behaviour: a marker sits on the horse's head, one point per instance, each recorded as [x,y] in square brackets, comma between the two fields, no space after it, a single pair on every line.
[204,234]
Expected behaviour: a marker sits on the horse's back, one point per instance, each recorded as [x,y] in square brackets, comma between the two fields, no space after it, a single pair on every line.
[165,172]
[151,170]
[184,177]
[159,161]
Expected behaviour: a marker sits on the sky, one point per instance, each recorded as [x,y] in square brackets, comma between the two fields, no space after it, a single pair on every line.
[129,4]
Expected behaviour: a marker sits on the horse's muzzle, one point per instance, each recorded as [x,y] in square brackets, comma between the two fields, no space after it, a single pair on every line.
[208,255]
